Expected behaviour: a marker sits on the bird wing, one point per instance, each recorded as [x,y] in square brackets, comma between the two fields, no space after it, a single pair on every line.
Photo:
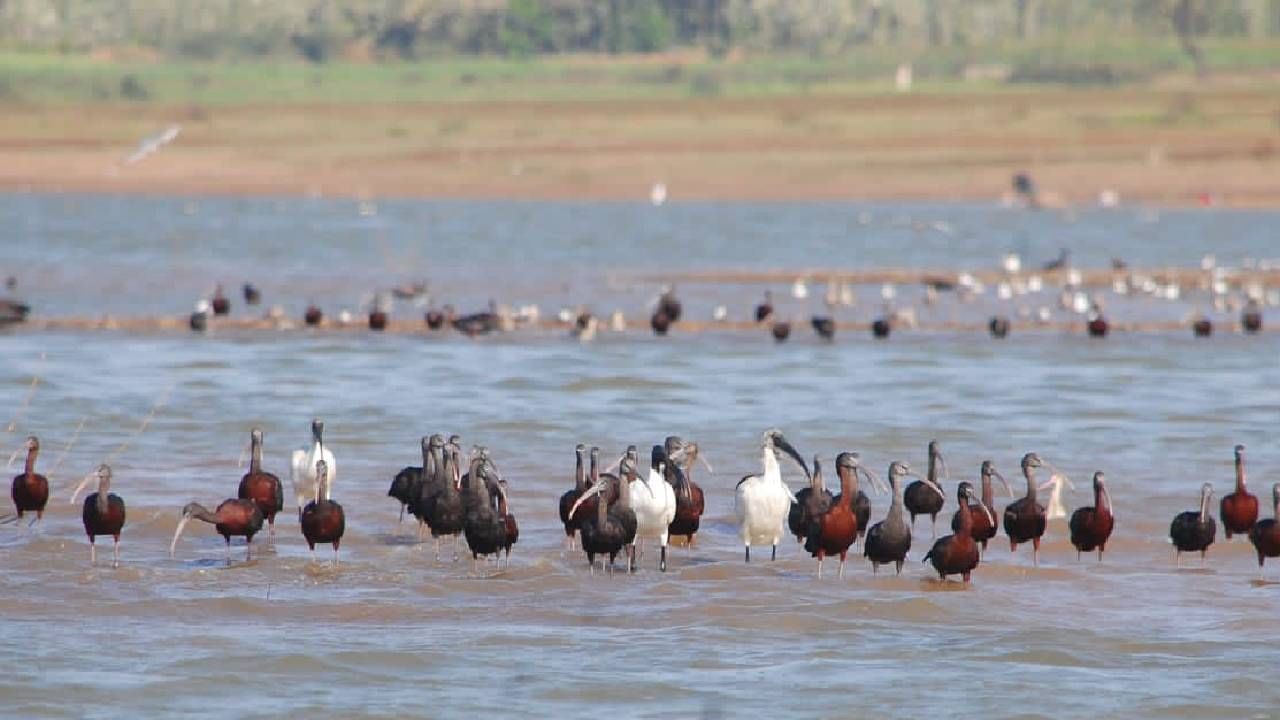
[299,477]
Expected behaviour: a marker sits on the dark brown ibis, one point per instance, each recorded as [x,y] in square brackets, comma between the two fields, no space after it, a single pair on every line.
[252,295]
[660,322]
[480,323]
[850,463]
[262,487]
[1251,318]
[985,525]
[405,484]
[30,489]
[1025,519]
[484,530]
[1202,326]
[220,303]
[880,327]
[377,319]
[764,310]
[1265,534]
[508,519]
[781,330]
[1091,526]
[442,504]
[1239,510]
[669,304]
[957,554]
[437,318]
[999,326]
[810,502]
[921,500]
[323,520]
[102,514]
[612,528]
[567,500]
[233,518]
[1194,530]
[690,501]
[313,316]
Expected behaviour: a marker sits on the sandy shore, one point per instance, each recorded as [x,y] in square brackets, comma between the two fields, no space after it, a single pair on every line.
[1077,144]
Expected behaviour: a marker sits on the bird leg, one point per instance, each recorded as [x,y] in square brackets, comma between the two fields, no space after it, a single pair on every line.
[438,544]
[455,548]
[335,555]
[899,564]
[748,553]
[93,554]
[271,528]
[875,568]
[401,520]
[819,566]
[1178,559]
[115,553]
[228,551]
[935,525]
[842,559]
[662,559]
[774,555]
[631,560]
[248,549]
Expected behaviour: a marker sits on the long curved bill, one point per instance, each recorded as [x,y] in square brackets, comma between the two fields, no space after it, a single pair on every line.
[786,447]
[178,533]
[874,480]
[929,485]
[946,471]
[1005,483]
[591,491]
[81,486]
[990,518]
[13,457]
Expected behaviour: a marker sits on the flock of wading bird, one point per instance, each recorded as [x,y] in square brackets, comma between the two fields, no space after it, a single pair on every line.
[610,514]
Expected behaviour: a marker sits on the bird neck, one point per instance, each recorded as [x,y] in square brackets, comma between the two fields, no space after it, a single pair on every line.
[988,493]
[31,461]
[1240,479]
[1102,500]
[1029,474]
[602,508]
[104,487]
[848,487]
[966,519]
[896,504]
[255,456]
[200,512]
[932,474]
[772,470]
[1204,506]
[580,476]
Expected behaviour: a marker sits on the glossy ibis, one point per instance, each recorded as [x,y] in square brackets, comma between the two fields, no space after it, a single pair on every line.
[999,326]
[102,514]
[313,316]
[30,489]
[1239,510]
[252,295]
[302,469]
[405,484]
[1025,519]
[1091,526]
[781,331]
[652,498]
[849,463]
[220,304]
[1202,326]
[919,499]
[377,319]
[957,554]
[233,518]
[567,500]
[508,519]
[1251,318]
[1265,534]
[764,310]
[669,304]
[1194,530]
[835,530]
[810,502]
[263,488]
[761,501]
[982,528]
[479,323]
[889,540]
[442,505]
[880,327]
[435,318]
[690,500]
[323,520]
[612,527]
[825,326]
[660,322]
[484,530]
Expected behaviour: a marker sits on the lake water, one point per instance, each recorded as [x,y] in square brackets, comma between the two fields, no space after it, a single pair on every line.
[392,633]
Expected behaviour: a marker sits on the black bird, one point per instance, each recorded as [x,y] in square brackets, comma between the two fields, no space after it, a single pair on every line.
[1194,530]
[889,540]
[613,526]
[781,331]
[849,463]
[880,327]
[669,305]
[1025,187]
[999,326]
[404,486]
[508,519]
[1251,318]
[103,514]
[958,554]
[426,481]
[764,310]
[444,509]
[1202,326]
[484,529]
[480,323]
[220,304]
[1062,261]
[1024,518]
[810,503]
[312,316]
[377,319]
[660,322]
[435,318]
[567,500]
[252,296]
[12,310]
[921,500]
[824,325]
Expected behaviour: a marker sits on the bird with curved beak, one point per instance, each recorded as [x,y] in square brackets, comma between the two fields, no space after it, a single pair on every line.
[690,500]
[30,489]
[1025,519]
[957,554]
[850,464]
[323,520]
[920,500]
[103,513]
[889,540]
[233,518]
[303,468]
[1194,530]
[614,525]
[761,501]
[652,498]
[982,530]
[260,486]
[1091,526]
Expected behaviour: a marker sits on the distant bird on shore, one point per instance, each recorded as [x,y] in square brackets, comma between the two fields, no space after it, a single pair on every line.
[999,326]
[220,303]
[313,316]
[1025,188]
[764,310]
[824,325]
[658,194]
[1251,319]
[1060,262]
[13,310]
[199,320]
[152,144]
[781,331]
[252,296]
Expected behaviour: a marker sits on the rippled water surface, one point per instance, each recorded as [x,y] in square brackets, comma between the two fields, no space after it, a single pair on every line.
[392,633]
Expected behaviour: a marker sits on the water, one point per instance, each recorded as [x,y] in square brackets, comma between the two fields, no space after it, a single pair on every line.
[392,633]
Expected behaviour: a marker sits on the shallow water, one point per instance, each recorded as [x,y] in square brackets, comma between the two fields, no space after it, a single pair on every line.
[391,632]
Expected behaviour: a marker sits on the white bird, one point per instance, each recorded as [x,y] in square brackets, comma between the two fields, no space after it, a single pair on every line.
[1012,263]
[762,501]
[653,499]
[799,290]
[658,194]
[153,143]
[1056,508]
[303,468]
